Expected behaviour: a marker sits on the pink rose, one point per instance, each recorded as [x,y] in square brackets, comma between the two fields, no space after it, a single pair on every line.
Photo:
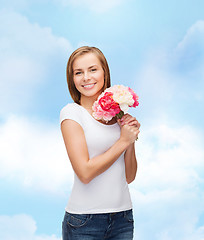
[108,104]
[135,98]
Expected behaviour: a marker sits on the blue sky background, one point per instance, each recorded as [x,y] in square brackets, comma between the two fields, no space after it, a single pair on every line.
[155,47]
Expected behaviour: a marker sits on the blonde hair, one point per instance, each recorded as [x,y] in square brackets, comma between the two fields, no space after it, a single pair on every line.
[75,94]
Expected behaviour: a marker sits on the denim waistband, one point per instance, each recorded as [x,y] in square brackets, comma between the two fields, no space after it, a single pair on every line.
[105,215]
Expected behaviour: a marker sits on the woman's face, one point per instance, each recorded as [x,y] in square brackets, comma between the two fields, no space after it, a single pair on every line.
[88,75]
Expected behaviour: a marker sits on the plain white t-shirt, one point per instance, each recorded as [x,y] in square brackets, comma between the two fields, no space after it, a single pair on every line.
[109,191]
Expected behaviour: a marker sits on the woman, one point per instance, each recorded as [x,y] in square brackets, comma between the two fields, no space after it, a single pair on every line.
[102,155]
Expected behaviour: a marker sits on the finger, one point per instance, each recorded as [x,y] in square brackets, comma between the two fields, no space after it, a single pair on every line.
[127,119]
[130,121]
[134,123]
[119,122]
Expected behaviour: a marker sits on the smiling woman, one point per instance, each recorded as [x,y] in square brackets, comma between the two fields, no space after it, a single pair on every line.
[102,155]
[100,62]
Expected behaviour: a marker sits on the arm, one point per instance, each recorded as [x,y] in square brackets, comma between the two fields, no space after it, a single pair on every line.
[130,157]
[130,163]
[87,169]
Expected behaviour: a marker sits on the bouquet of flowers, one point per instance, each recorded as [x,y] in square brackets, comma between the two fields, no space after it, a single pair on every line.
[114,101]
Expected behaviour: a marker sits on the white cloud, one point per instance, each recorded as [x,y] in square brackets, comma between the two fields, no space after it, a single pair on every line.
[156,86]
[168,192]
[28,53]
[178,153]
[12,4]
[189,53]
[171,81]
[32,154]
[99,6]
[21,227]
[194,37]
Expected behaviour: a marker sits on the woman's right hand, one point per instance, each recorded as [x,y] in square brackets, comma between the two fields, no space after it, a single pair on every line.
[129,134]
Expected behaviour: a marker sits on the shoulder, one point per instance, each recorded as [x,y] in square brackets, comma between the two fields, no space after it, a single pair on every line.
[70,111]
[70,108]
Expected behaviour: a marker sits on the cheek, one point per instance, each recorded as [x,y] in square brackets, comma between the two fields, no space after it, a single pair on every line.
[76,83]
[100,77]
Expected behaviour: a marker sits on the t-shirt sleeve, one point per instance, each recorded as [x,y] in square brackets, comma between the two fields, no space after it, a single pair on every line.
[70,111]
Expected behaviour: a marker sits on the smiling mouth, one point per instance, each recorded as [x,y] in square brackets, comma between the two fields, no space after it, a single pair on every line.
[87,86]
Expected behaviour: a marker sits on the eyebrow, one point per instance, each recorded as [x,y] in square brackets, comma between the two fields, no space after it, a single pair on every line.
[93,66]
[79,69]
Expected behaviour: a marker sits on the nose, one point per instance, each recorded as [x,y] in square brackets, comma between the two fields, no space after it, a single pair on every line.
[86,76]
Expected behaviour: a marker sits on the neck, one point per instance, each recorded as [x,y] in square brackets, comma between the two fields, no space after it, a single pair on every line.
[87,102]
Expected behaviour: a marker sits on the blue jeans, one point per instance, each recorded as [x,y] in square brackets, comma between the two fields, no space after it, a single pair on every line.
[107,226]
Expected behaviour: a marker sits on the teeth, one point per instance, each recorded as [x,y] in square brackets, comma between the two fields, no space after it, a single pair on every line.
[89,85]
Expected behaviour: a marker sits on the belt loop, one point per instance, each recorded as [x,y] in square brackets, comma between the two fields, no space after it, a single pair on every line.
[109,217]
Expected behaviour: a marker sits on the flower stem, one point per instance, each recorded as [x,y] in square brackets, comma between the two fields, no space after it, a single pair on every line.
[120,114]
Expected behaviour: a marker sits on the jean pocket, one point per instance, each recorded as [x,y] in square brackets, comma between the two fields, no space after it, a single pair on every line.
[128,216]
[77,220]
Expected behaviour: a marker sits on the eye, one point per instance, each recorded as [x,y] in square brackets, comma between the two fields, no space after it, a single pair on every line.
[93,70]
[78,73]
